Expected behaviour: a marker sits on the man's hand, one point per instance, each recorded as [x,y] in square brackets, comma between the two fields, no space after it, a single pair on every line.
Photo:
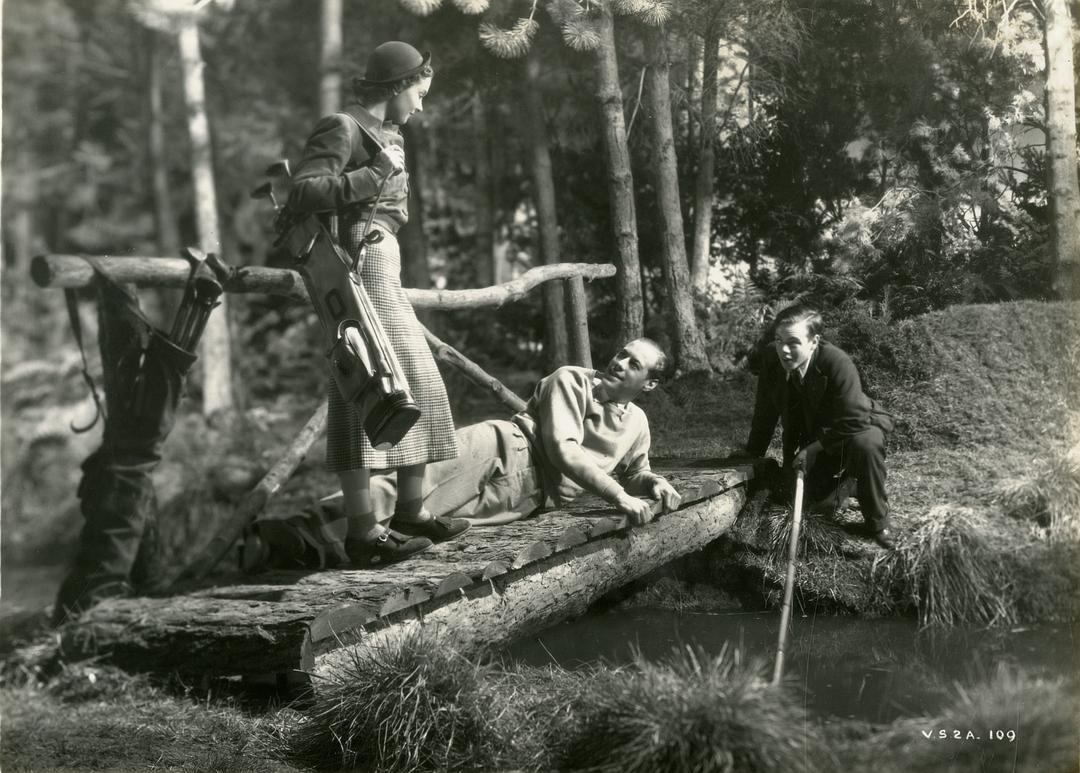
[395,155]
[638,510]
[804,460]
[666,493]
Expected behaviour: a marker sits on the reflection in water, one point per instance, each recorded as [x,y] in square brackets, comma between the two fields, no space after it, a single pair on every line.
[873,670]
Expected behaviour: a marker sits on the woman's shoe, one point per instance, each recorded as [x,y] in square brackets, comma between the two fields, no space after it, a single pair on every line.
[387,548]
[436,528]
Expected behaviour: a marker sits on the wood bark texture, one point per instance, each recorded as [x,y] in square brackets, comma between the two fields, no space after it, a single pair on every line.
[59,271]
[1063,186]
[556,341]
[271,622]
[630,323]
[689,343]
[577,322]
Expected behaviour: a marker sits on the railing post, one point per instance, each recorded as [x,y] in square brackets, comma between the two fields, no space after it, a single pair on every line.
[577,323]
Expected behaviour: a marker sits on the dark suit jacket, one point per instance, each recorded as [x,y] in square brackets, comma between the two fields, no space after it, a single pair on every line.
[338,169]
[833,404]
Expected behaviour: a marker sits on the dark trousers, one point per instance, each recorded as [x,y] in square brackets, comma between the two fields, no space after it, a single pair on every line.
[860,462]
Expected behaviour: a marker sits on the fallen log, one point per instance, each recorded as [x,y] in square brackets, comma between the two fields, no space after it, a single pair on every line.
[277,622]
[67,271]
[539,593]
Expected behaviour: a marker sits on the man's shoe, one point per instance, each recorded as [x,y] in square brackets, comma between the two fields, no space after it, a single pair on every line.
[437,528]
[254,552]
[389,547]
[884,538]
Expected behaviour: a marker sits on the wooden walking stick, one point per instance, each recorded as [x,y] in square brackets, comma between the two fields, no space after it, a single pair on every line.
[789,583]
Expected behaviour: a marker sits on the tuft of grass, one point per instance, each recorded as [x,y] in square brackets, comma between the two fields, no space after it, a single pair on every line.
[1050,498]
[949,566]
[691,713]
[819,538]
[408,705]
[1039,715]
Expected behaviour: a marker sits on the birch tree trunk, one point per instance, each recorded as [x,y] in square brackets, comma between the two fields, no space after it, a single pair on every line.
[1062,184]
[556,342]
[706,170]
[689,343]
[330,20]
[630,311]
[215,348]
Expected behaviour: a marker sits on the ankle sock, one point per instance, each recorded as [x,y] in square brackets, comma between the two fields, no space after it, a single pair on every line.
[411,510]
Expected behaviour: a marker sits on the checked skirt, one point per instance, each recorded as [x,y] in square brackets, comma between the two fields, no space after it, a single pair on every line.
[432,437]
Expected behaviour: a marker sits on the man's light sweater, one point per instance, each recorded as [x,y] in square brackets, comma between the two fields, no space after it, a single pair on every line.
[615,436]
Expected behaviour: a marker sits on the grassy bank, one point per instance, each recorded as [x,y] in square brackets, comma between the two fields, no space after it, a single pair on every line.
[422,707]
[984,472]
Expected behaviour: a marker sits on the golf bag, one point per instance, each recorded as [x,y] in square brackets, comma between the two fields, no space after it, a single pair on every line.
[363,364]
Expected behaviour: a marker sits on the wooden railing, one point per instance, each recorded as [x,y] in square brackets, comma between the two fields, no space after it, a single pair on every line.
[72,271]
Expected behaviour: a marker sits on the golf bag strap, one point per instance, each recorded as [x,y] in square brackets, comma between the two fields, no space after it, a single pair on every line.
[72,301]
[71,298]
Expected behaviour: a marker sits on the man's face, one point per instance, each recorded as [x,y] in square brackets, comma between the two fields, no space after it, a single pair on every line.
[627,375]
[411,100]
[794,345]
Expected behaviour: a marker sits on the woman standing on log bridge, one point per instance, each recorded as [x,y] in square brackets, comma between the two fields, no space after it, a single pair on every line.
[353,172]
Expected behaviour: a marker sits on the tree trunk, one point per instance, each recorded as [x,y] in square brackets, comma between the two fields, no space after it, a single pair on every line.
[168,235]
[485,207]
[415,271]
[556,342]
[542,570]
[165,222]
[1062,184]
[414,265]
[630,311]
[215,347]
[689,343]
[330,19]
[706,169]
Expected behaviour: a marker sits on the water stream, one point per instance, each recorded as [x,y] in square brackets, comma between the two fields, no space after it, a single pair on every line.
[872,670]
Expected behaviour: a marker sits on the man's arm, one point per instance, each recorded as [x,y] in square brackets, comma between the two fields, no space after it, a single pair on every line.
[562,429]
[848,405]
[638,478]
[766,412]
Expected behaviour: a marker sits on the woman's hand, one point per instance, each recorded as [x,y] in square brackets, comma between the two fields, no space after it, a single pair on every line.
[392,156]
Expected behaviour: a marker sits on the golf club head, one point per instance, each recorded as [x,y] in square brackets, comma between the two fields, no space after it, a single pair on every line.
[264,191]
[373,237]
[194,254]
[279,168]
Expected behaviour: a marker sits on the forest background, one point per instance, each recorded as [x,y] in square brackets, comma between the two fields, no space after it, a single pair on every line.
[883,158]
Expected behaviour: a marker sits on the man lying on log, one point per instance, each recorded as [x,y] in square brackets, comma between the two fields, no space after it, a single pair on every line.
[832,430]
[580,432]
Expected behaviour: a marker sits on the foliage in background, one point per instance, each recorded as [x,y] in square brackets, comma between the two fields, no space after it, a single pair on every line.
[873,144]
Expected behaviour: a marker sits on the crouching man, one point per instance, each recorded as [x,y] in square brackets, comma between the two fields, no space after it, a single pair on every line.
[832,431]
[580,432]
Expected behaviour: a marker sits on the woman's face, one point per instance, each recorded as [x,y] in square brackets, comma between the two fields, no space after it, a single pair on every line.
[411,100]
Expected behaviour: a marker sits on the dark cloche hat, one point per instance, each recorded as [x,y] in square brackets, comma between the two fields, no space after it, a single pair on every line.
[391,62]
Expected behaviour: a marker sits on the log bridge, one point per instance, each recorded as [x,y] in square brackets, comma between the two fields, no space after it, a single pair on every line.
[488,587]
[485,589]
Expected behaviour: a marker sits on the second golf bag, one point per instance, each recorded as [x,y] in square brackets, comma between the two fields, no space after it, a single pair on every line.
[362,362]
